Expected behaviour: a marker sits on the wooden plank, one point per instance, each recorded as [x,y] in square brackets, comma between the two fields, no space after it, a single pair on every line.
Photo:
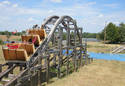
[47,69]
[40,32]
[60,52]
[6,72]
[13,82]
[15,54]
[67,50]
[39,71]
[75,54]
[12,54]
[29,38]
[30,49]
[5,53]
[22,55]
[81,63]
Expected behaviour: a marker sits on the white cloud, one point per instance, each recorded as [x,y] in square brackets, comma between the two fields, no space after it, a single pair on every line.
[117,22]
[56,1]
[6,2]
[15,5]
[50,11]
[113,5]
[93,23]
[31,19]
[100,15]
[90,18]
[91,3]
[1,4]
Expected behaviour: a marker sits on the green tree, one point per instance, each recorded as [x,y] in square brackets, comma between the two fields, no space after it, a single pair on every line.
[100,35]
[122,32]
[8,35]
[64,36]
[89,35]
[112,33]
[23,32]
[1,42]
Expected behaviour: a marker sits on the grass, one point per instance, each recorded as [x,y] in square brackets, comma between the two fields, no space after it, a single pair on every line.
[12,38]
[100,47]
[1,56]
[98,73]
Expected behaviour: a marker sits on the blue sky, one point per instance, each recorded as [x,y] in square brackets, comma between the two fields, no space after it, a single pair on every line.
[90,14]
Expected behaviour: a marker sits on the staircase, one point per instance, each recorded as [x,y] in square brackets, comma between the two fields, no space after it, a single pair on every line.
[118,49]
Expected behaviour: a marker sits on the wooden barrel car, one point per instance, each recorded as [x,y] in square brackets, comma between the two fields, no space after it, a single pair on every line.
[23,51]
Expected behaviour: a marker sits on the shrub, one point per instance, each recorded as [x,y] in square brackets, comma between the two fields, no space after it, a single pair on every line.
[1,42]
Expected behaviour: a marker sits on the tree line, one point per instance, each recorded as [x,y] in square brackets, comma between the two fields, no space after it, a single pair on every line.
[89,35]
[113,33]
[11,33]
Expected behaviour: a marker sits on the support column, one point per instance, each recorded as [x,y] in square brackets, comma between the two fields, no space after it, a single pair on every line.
[86,57]
[67,50]
[0,68]
[81,56]
[75,54]
[60,51]
[47,68]
[40,71]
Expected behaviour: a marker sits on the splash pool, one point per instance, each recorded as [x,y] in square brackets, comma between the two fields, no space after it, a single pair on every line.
[105,56]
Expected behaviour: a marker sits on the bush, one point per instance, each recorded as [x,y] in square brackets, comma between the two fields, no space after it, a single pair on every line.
[1,42]
[113,34]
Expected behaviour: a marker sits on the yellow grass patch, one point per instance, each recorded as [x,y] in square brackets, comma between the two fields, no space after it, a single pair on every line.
[1,55]
[98,73]
[12,38]
[100,47]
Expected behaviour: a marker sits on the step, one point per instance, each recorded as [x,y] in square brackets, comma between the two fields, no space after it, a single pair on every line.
[5,80]
[1,84]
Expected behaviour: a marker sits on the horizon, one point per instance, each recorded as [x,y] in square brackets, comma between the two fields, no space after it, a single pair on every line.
[91,15]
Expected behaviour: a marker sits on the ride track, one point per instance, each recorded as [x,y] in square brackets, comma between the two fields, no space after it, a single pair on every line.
[53,56]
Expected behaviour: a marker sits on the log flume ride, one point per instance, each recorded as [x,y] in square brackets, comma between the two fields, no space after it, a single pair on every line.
[54,49]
